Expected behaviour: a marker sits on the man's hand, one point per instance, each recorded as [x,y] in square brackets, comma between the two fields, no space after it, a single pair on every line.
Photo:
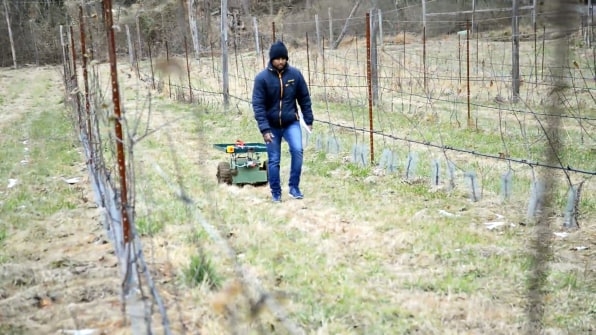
[268,137]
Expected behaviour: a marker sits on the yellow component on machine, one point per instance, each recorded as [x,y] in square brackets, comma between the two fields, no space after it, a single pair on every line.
[230,149]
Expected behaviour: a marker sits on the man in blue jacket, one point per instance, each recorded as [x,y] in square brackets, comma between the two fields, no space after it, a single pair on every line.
[276,91]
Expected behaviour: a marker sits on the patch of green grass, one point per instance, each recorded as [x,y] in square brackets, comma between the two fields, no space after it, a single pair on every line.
[3,234]
[321,165]
[587,204]
[201,270]
[447,283]
[574,310]
[333,287]
[38,152]
[361,241]
[197,237]
[13,330]
[358,172]
[568,280]
[147,226]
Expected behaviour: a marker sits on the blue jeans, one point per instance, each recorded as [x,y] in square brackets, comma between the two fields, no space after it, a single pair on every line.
[293,135]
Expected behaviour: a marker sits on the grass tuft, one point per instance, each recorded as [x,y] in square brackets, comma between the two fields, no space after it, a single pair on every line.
[148,227]
[200,271]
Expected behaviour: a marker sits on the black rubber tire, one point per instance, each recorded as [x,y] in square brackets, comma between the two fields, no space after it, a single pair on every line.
[224,173]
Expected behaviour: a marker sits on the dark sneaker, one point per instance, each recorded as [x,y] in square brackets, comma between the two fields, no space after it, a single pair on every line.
[276,198]
[295,193]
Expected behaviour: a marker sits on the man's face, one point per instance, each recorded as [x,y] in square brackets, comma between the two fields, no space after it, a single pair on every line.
[279,63]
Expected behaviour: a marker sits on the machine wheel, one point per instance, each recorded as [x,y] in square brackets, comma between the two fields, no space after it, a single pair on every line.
[224,173]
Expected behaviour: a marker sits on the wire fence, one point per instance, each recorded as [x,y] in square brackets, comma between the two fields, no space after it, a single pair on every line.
[443,110]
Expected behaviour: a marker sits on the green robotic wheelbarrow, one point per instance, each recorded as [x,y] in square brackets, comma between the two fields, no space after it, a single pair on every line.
[245,164]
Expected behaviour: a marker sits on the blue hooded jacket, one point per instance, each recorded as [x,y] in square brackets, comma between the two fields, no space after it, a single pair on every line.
[274,97]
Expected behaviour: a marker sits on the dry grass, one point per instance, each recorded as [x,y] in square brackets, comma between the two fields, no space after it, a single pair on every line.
[363,253]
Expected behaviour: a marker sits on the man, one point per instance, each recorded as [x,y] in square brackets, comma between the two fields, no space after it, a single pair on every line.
[276,91]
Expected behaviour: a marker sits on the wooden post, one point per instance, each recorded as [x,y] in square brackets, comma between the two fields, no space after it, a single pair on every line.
[64,60]
[224,54]
[140,51]
[194,32]
[84,62]
[14,54]
[73,57]
[590,22]
[256,28]
[131,50]
[459,58]
[205,22]
[534,12]
[515,52]
[273,31]
[89,34]
[190,98]
[424,43]
[374,69]
[473,15]
[318,34]
[535,53]
[169,73]
[370,94]
[380,28]
[477,46]
[543,46]
[151,65]
[307,59]
[535,42]
[262,53]
[33,37]
[330,25]
[403,68]
[424,13]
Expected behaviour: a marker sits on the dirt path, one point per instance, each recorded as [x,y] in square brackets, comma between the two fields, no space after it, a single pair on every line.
[59,272]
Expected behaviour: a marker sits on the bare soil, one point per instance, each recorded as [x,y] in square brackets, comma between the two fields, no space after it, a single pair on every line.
[60,272]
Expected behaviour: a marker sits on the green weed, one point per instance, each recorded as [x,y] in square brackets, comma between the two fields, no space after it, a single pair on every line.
[201,270]
[12,330]
[147,226]
[3,234]
[39,152]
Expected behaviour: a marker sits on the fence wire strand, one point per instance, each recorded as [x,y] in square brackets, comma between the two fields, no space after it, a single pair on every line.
[339,80]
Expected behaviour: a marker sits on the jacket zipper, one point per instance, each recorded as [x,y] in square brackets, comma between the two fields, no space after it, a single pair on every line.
[281,96]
